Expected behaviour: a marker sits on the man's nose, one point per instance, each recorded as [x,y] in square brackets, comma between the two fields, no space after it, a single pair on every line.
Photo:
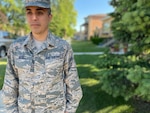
[34,17]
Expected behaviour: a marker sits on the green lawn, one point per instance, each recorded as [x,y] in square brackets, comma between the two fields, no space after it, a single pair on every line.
[86,46]
[94,99]
[2,71]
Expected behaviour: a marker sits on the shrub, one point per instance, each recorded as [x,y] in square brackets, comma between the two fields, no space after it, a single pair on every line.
[141,76]
[96,39]
[124,75]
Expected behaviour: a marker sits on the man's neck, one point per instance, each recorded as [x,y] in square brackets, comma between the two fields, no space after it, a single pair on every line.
[40,37]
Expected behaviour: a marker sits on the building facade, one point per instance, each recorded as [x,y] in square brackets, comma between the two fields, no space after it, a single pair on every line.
[93,25]
[106,27]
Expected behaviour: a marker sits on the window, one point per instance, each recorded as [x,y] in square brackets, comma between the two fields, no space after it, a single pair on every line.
[106,27]
[6,35]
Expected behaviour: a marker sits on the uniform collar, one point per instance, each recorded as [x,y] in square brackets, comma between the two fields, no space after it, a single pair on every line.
[50,42]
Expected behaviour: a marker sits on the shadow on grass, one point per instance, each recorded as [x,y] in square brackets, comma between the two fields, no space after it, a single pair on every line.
[87,71]
[2,73]
[2,68]
[94,100]
[1,81]
[97,101]
[141,106]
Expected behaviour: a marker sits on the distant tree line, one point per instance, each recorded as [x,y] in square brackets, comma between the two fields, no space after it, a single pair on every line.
[12,17]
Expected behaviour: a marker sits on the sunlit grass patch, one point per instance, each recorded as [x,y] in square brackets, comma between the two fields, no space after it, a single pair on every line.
[89,81]
[92,67]
[3,63]
[3,60]
[116,109]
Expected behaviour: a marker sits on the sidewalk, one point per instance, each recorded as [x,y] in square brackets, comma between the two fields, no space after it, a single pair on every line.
[2,110]
[97,53]
[88,53]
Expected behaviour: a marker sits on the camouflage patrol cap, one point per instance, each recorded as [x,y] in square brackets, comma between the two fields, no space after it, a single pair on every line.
[39,3]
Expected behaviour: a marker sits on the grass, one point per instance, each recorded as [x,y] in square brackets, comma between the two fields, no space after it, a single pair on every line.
[86,46]
[94,99]
[2,71]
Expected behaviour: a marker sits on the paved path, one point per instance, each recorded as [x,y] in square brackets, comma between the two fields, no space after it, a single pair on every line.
[97,53]
[88,53]
[2,110]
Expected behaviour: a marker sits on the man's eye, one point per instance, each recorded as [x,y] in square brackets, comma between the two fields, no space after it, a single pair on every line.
[40,13]
[28,13]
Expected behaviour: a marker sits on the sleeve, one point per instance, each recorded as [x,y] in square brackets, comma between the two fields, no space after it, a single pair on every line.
[73,88]
[10,86]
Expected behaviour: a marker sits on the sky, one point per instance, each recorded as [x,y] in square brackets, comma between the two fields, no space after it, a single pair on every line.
[85,8]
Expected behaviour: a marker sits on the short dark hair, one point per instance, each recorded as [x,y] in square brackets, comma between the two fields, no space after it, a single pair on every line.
[49,11]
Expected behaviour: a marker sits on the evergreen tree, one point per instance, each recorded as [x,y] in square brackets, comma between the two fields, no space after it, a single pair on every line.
[132,22]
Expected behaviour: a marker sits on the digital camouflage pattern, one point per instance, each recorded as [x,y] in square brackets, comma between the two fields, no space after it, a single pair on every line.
[41,80]
[39,3]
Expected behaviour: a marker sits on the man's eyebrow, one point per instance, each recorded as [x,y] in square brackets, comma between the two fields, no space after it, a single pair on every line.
[41,9]
[38,9]
[28,9]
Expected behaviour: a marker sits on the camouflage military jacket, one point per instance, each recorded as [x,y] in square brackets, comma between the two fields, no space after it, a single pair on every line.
[41,80]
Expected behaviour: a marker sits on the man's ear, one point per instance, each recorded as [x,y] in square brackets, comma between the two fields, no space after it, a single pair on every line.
[50,17]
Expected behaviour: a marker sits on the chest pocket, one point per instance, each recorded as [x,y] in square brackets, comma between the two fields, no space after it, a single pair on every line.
[54,65]
[54,70]
[23,63]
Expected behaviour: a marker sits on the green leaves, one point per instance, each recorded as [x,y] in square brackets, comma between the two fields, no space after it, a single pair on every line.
[132,76]
[64,18]
[140,76]
[124,75]
[135,74]
[15,15]
[133,18]
[62,24]
[113,74]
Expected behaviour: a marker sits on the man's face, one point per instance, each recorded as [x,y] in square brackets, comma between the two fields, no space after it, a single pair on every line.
[38,19]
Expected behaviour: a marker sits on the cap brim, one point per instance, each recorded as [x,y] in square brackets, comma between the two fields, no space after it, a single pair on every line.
[39,4]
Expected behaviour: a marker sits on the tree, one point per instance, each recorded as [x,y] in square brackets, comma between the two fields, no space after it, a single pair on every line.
[15,15]
[62,24]
[3,19]
[128,75]
[132,22]
[64,18]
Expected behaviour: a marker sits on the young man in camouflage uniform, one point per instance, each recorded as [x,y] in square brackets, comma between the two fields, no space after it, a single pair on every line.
[41,74]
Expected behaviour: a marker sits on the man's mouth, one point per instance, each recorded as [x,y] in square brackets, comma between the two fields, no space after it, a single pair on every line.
[35,25]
